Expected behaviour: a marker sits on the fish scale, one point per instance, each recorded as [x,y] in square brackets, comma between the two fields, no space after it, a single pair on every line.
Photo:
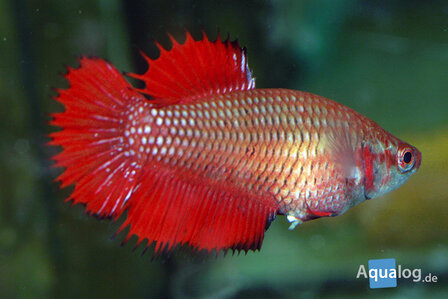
[209,160]
[216,147]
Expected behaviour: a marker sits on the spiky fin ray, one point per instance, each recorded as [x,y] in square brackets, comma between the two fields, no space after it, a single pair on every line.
[176,212]
[92,138]
[195,69]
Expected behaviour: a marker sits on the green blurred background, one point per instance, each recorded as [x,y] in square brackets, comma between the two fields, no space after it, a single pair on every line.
[386,59]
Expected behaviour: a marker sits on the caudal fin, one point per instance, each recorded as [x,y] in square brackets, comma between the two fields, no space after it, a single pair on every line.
[94,152]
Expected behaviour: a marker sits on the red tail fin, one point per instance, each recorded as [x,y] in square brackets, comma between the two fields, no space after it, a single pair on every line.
[92,138]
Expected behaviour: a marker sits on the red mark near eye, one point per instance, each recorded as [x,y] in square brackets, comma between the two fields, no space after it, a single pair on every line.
[368,169]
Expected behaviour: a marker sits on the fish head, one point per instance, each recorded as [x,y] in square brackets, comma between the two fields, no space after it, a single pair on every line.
[388,164]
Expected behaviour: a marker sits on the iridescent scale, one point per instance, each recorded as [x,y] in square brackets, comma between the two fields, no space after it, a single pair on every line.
[269,143]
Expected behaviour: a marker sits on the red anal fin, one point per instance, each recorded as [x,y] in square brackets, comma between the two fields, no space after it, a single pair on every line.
[170,211]
[91,137]
[196,69]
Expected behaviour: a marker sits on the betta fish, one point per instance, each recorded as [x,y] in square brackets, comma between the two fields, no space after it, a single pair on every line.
[200,157]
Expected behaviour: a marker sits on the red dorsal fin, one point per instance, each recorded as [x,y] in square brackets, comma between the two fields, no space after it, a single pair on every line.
[196,69]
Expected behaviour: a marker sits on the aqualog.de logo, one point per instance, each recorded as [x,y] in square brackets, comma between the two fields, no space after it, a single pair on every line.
[383,273]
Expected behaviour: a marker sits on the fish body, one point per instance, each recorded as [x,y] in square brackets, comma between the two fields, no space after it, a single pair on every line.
[209,161]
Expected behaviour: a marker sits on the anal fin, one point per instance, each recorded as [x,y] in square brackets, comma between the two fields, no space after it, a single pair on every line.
[171,211]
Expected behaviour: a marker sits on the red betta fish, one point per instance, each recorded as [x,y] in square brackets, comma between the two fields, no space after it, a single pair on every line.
[209,160]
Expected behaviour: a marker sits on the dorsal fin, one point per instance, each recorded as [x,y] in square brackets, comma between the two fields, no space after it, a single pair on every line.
[195,69]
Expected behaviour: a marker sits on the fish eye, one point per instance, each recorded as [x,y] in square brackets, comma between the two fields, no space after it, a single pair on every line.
[406,159]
